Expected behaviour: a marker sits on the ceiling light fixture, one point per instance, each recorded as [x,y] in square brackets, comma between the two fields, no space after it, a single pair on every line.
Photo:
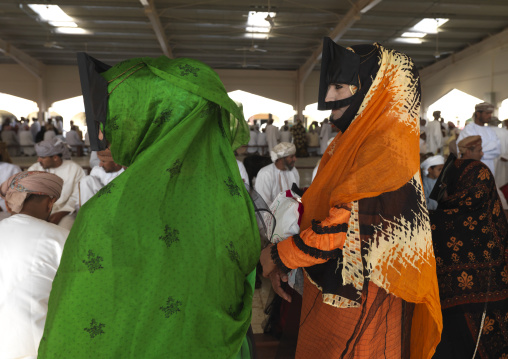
[56,17]
[71,30]
[258,21]
[63,23]
[429,25]
[414,34]
[409,40]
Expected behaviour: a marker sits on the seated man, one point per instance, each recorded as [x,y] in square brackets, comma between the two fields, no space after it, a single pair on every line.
[101,175]
[54,158]
[7,169]
[280,175]
[30,251]
[74,140]
[431,168]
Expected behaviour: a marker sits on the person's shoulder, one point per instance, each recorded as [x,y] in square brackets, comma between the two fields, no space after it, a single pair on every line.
[35,167]
[267,170]
[10,166]
[71,163]
[42,228]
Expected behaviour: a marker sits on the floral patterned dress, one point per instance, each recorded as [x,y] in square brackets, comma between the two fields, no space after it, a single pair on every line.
[469,232]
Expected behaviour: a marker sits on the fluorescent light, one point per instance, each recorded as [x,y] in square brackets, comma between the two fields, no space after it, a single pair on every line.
[257,29]
[409,40]
[55,16]
[429,25]
[254,35]
[50,12]
[144,2]
[63,23]
[414,34]
[257,22]
[71,30]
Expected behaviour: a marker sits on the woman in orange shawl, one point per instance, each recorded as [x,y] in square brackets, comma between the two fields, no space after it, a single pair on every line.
[370,275]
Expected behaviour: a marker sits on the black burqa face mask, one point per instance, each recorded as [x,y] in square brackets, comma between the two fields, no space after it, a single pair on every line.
[95,98]
[342,66]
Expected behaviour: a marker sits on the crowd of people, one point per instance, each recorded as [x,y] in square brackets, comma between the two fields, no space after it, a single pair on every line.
[402,235]
[309,142]
[20,136]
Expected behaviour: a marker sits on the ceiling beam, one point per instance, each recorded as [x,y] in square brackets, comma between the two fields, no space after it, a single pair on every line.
[490,43]
[35,67]
[151,13]
[354,14]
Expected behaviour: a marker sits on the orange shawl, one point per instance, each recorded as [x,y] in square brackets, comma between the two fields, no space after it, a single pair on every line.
[379,153]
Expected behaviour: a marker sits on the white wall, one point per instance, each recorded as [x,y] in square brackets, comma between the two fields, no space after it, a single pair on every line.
[62,82]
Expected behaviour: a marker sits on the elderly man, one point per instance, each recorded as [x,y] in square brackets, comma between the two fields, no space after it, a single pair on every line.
[490,142]
[470,148]
[280,175]
[30,251]
[54,158]
[100,176]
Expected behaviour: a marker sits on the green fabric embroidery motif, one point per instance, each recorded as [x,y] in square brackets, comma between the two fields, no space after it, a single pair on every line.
[170,236]
[95,329]
[172,306]
[94,262]
[173,191]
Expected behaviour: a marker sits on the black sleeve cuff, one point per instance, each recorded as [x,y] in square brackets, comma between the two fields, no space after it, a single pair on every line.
[278,261]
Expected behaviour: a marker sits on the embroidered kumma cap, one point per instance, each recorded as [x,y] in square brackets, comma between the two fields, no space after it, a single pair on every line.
[469,142]
[484,106]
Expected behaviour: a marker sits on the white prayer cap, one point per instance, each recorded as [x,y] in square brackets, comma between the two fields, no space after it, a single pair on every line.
[431,161]
[282,150]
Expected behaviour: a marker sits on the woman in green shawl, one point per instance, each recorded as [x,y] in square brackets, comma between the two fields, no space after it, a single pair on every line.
[160,263]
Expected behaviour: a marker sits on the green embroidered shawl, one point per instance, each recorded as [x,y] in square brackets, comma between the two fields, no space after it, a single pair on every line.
[160,262]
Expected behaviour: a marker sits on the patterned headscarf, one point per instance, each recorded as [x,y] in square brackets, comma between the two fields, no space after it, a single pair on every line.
[19,186]
[468,142]
[129,270]
[374,165]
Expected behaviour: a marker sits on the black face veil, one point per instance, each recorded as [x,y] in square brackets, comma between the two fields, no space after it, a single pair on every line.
[95,97]
[338,66]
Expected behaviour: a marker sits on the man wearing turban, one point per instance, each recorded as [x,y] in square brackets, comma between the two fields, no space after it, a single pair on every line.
[30,251]
[54,157]
[100,176]
[280,175]
[479,127]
